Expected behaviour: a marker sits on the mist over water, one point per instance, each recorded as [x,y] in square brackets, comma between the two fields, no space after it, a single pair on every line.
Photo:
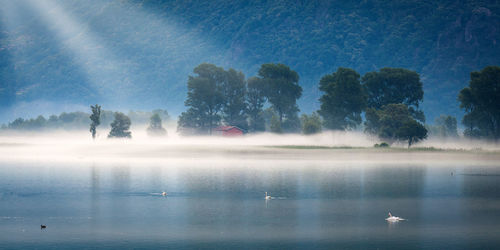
[107,193]
[332,189]
[351,146]
[261,190]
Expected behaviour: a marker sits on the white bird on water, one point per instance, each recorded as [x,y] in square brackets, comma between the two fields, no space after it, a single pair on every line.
[164,193]
[268,197]
[392,218]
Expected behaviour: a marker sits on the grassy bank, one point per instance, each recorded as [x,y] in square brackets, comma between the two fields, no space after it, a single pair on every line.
[388,149]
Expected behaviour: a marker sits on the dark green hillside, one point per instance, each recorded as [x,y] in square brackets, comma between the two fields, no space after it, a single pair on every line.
[156,44]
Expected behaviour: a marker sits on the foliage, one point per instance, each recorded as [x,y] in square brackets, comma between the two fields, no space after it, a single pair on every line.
[311,124]
[205,99]
[234,106]
[444,126]
[217,94]
[343,99]
[275,126]
[72,120]
[394,122]
[120,126]
[155,127]
[95,118]
[77,120]
[267,114]
[411,131]
[255,100]
[281,88]
[442,40]
[481,102]
[382,145]
[394,85]
[143,117]
[291,124]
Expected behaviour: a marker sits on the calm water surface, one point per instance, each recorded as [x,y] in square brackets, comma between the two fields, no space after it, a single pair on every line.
[216,204]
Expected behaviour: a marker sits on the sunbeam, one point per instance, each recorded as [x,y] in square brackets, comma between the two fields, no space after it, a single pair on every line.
[107,73]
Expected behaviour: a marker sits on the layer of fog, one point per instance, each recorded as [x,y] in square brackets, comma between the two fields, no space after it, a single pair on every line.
[349,146]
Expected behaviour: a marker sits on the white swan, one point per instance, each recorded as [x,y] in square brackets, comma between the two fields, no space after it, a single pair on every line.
[164,193]
[392,218]
[268,197]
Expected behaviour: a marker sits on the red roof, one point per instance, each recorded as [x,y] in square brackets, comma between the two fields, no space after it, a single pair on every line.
[229,130]
[226,128]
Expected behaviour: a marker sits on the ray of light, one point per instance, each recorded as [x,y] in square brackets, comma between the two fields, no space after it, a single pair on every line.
[104,71]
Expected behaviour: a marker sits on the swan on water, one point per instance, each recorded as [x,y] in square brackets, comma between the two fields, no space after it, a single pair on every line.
[392,218]
[164,193]
[268,197]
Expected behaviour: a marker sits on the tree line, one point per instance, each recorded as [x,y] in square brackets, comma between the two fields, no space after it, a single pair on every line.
[120,127]
[218,96]
[388,100]
[117,121]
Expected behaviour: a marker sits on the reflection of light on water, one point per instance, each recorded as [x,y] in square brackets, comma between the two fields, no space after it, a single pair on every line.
[231,201]
[392,224]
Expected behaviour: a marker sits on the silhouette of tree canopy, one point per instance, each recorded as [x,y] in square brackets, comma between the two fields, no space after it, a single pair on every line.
[282,89]
[234,92]
[205,99]
[392,86]
[255,100]
[155,127]
[120,126]
[481,102]
[311,124]
[444,126]
[343,99]
[95,118]
[394,122]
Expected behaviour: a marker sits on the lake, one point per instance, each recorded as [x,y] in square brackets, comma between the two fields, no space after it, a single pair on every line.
[321,198]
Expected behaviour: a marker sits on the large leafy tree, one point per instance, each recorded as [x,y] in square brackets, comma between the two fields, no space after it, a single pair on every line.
[394,122]
[255,101]
[481,102]
[282,90]
[343,99]
[95,117]
[234,105]
[205,99]
[394,85]
[120,126]
[411,131]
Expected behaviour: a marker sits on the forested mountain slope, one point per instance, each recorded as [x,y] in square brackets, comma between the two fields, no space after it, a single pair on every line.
[138,54]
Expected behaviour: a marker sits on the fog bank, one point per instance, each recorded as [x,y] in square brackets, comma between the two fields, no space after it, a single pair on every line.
[78,146]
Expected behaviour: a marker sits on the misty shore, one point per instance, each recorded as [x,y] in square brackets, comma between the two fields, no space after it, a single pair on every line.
[328,147]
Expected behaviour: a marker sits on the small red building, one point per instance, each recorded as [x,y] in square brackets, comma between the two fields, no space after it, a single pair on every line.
[229,131]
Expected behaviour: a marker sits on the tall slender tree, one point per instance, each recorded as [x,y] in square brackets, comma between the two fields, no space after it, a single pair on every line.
[95,118]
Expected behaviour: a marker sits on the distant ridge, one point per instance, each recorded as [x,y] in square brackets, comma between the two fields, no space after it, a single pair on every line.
[158,43]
